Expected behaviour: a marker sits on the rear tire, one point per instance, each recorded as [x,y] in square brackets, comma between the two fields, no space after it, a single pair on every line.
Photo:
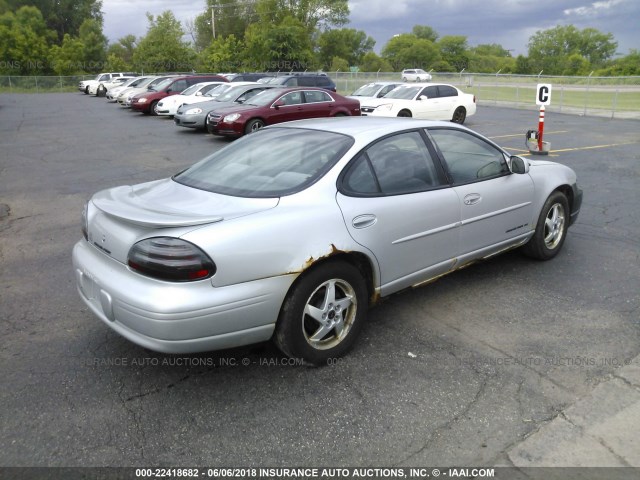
[551,229]
[323,313]
[459,116]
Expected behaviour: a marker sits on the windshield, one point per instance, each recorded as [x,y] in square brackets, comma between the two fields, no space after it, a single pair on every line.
[161,85]
[368,90]
[214,92]
[208,88]
[404,93]
[192,89]
[268,163]
[231,94]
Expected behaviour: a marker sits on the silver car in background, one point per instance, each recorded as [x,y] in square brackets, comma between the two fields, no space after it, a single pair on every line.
[291,232]
[195,116]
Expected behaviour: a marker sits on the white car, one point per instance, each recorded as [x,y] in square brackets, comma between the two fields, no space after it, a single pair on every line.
[124,99]
[193,94]
[415,75]
[100,89]
[429,101]
[84,85]
[112,93]
[374,90]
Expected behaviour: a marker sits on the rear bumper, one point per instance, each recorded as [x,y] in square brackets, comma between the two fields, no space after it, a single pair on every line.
[177,317]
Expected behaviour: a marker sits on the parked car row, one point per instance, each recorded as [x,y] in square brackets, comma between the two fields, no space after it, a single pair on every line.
[234,108]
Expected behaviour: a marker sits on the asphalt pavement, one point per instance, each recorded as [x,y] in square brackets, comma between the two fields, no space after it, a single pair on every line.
[510,362]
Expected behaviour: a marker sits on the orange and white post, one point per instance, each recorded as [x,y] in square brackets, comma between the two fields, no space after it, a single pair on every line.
[540,128]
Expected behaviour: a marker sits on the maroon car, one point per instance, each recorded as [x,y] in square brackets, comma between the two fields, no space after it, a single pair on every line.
[147,102]
[279,105]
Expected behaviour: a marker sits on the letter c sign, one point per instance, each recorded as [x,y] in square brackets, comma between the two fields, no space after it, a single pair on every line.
[543,96]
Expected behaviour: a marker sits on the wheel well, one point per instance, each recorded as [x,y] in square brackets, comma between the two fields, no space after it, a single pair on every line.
[568,192]
[405,110]
[357,259]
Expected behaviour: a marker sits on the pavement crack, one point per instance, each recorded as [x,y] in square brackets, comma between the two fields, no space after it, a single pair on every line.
[447,425]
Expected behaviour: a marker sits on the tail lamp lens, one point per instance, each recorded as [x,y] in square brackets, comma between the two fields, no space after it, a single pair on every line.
[172,259]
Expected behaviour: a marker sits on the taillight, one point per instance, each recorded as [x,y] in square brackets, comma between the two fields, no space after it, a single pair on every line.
[172,259]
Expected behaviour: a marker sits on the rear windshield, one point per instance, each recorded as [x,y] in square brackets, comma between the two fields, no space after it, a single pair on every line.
[268,163]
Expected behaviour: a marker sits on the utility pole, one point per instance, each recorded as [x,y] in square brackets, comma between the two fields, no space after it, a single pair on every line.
[213,21]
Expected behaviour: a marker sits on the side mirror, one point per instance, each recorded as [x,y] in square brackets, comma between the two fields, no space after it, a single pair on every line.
[198,94]
[519,165]
[278,104]
[423,97]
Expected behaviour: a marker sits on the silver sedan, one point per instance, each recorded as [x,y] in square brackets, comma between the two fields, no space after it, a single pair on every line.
[195,115]
[292,232]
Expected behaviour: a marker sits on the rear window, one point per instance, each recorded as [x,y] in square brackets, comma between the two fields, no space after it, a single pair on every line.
[268,163]
[447,91]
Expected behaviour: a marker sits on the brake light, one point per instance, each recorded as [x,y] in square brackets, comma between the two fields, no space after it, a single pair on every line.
[172,259]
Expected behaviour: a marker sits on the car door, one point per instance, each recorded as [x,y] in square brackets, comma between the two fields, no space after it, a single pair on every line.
[287,108]
[495,205]
[395,202]
[430,108]
[317,104]
[448,101]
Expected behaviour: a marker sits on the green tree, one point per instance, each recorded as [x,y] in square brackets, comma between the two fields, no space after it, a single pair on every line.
[283,46]
[312,14]
[626,66]
[490,49]
[95,45]
[24,42]
[454,51]
[425,32]
[63,16]
[225,54]
[346,43]
[116,63]
[68,58]
[121,53]
[371,62]
[162,48]
[523,67]
[408,51]
[549,50]
[232,17]
[339,65]
[490,58]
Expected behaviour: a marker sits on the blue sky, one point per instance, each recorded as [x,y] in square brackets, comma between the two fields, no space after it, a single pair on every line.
[507,22]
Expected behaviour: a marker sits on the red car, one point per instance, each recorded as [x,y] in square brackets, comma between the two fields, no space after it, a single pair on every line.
[147,102]
[279,105]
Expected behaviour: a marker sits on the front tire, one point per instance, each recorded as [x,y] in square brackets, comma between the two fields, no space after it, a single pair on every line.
[253,126]
[153,108]
[405,113]
[323,313]
[551,229]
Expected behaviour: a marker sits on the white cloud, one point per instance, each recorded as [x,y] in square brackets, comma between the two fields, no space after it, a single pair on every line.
[594,9]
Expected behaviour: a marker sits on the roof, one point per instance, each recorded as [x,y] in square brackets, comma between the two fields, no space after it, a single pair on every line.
[356,126]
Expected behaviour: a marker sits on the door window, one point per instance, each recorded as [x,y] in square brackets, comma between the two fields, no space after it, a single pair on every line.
[395,165]
[468,158]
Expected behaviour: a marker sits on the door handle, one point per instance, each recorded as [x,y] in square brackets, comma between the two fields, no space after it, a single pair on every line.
[364,221]
[472,199]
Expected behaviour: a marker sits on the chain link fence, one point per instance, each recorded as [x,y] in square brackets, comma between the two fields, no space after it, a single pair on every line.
[613,97]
